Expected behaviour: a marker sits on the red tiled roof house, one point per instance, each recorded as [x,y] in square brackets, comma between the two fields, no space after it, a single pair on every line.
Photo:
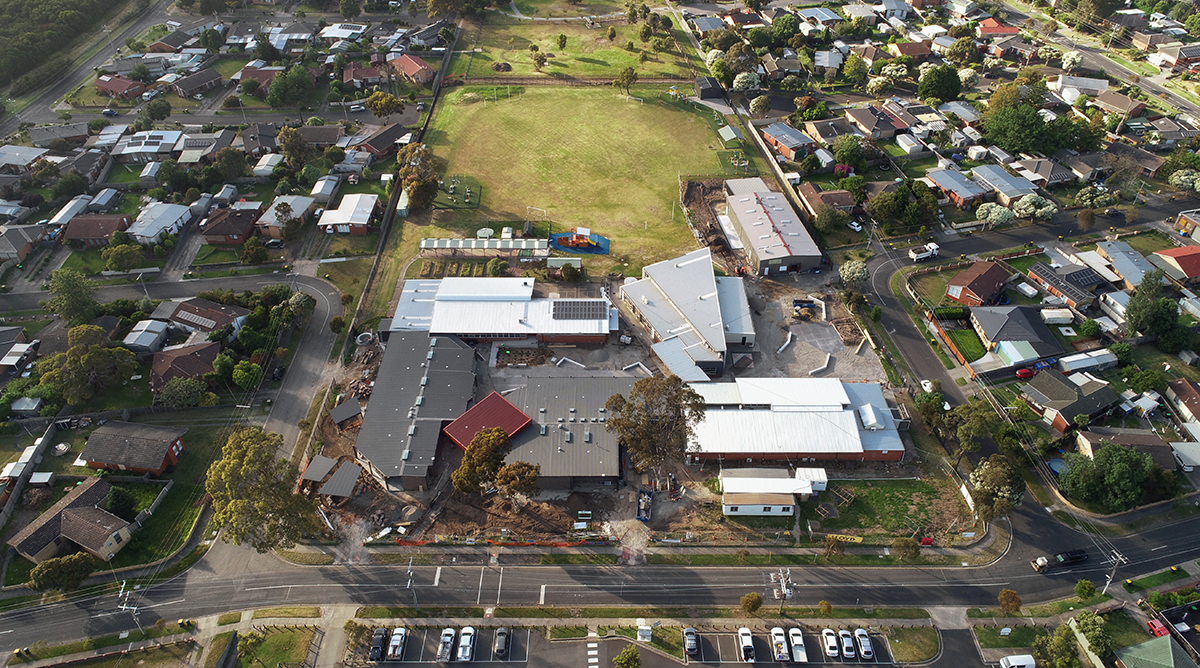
[976,285]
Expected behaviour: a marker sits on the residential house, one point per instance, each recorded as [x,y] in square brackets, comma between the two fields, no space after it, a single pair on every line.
[243,35]
[1185,260]
[1087,167]
[355,215]
[859,11]
[1147,162]
[870,53]
[828,130]
[17,241]
[195,84]
[201,315]
[778,68]
[995,324]
[1127,263]
[230,226]
[72,133]
[1145,441]
[94,231]
[1179,57]
[918,51]
[1168,133]
[183,361]
[745,19]
[338,32]
[872,121]
[990,28]
[270,224]
[1185,397]
[826,61]
[955,186]
[1059,400]
[1188,223]
[194,148]
[967,113]
[430,35]
[1043,172]
[941,44]
[259,138]
[294,38]
[1012,46]
[115,85]
[961,9]
[384,141]
[263,76]
[1082,84]
[1071,283]
[706,25]
[134,448]
[978,284]
[872,189]
[172,42]
[321,136]
[147,336]
[813,198]
[155,63]
[1008,188]
[1149,41]
[820,16]
[414,69]
[157,220]
[893,9]
[1160,652]
[148,146]
[76,519]
[933,31]
[1116,103]
[89,163]
[1134,19]
[790,142]
[708,88]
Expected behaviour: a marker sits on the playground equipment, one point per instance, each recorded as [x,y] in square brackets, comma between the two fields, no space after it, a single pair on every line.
[580,238]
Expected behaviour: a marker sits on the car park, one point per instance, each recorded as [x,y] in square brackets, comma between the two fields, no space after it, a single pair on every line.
[379,639]
[396,647]
[831,643]
[466,644]
[847,643]
[746,641]
[691,642]
[865,650]
[500,646]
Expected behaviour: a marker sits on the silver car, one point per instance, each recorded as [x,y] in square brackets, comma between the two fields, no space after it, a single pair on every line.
[864,644]
[466,644]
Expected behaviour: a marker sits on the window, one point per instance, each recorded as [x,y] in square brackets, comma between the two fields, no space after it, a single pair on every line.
[766,509]
[733,509]
[117,536]
[233,236]
[786,509]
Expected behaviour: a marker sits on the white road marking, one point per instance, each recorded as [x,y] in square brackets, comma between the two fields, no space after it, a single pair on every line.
[499,585]
[1163,547]
[437,577]
[482,570]
[542,600]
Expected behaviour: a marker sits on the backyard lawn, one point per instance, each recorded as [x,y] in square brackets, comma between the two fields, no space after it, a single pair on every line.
[1022,264]
[90,263]
[122,173]
[210,254]
[967,342]
[1149,242]
[1125,630]
[228,67]
[349,277]
[352,244]
[571,168]
[166,530]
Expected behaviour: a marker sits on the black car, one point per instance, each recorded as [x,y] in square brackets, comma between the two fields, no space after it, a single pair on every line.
[379,640]
[277,373]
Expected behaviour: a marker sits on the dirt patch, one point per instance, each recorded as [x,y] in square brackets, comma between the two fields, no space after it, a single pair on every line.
[467,517]
[699,198]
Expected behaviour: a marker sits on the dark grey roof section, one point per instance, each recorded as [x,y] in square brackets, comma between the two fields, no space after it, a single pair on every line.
[1067,288]
[345,410]
[343,481]
[422,381]
[318,468]
[571,410]
[1017,323]
[578,309]
[143,446]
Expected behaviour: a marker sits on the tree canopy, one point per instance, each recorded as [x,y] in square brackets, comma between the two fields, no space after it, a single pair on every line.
[92,363]
[657,421]
[72,298]
[1112,480]
[252,497]
[482,461]
[62,573]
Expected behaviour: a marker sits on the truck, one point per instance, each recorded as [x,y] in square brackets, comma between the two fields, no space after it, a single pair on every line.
[779,646]
[924,252]
[1043,564]
[799,654]
[445,650]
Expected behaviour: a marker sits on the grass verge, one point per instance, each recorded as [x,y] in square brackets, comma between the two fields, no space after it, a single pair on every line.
[1021,636]
[229,618]
[1170,575]
[564,632]
[604,559]
[912,645]
[306,611]
[216,648]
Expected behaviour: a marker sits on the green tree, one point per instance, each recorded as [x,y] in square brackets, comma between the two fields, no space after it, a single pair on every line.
[122,503]
[157,109]
[497,267]
[231,162]
[91,364]
[292,146]
[628,658]
[518,478]
[856,186]
[539,60]
[1148,311]
[349,8]
[940,82]
[829,219]
[612,33]
[760,105]
[383,105]
[121,258]
[963,50]
[62,573]
[1123,352]
[212,40]
[785,27]
[752,602]
[337,324]
[562,42]
[70,185]
[248,87]
[1010,601]
[853,272]
[140,72]
[848,150]
[247,374]
[181,392]
[1016,128]
[1113,478]
[855,69]
[1057,650]
[1084,589]
[970,422]
[1095,630]
[252,493]
[626,79]
[645,33]
[482,461]
[656,422]
[254,252]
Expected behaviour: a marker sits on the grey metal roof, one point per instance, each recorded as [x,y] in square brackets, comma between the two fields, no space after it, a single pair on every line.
[422,381]
[706,23]
[688,290]
[1126,261]
[787,135]
[735,307]
[772,227]
[568,408]
[414,311]
[318,468]
[343,480]
[1001,181]
[674,353]
[955,181]
[1016,323]
[345,410]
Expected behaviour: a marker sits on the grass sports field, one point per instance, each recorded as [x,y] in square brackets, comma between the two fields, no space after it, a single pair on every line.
[585,155]
[589,52]
[564,8]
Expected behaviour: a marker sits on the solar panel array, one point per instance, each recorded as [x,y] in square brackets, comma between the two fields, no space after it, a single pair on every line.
[579,309]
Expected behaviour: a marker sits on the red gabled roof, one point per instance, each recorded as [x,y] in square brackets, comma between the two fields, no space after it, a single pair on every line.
[411,65]
[1187,257]
[991,26]
[493,412]
[983,279]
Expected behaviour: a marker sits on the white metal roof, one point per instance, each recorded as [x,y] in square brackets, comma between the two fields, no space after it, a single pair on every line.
[70,210]
[483,244]
[485,289]
[1098,264]
[781,394]
[355,209]
[299,205]
[772,226]
[756,431]
[1187,453]
[515,317]
[680,358]
[414,311]
[735,307]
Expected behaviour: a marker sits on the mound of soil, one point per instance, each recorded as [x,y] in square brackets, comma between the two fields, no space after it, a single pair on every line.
[465,516]
[501,67]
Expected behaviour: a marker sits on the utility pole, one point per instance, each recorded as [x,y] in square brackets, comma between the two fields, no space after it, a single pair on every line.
[410,584]
[1117,560]
[785,591]
[123,605]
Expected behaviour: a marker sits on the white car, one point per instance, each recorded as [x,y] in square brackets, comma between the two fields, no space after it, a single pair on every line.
[847,643]
[864,644]
[746,639]
[396,647]
[355,108]
[831,643]
[854,226]
[466,644]
[796,638]
[926,386]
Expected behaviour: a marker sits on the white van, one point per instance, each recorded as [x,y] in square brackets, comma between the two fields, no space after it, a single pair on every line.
[1018,661]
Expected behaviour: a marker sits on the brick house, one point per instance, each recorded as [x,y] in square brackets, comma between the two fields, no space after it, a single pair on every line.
[115,85]
[978,284]
[230,226]
[361,76]
[414,69]
[136,448]
[94,231]
[197,83]
[77,519]
[185,361]
[790,142]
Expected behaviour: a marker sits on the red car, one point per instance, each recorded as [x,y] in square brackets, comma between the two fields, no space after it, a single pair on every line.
[1156,628]
[1026,373]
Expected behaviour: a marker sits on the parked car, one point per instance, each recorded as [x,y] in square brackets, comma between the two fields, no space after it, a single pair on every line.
[446,645]
[379,639]
[691,642]
[274,243]
[1157,628]
[831,643]
[317,214]
[865,650]
[355,108]
[500,647]
[277,373]
[111,113]
[1026,373]
[926,386]
[466,644]
[854,226]
[847,643]
[746,640]
[396,646]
